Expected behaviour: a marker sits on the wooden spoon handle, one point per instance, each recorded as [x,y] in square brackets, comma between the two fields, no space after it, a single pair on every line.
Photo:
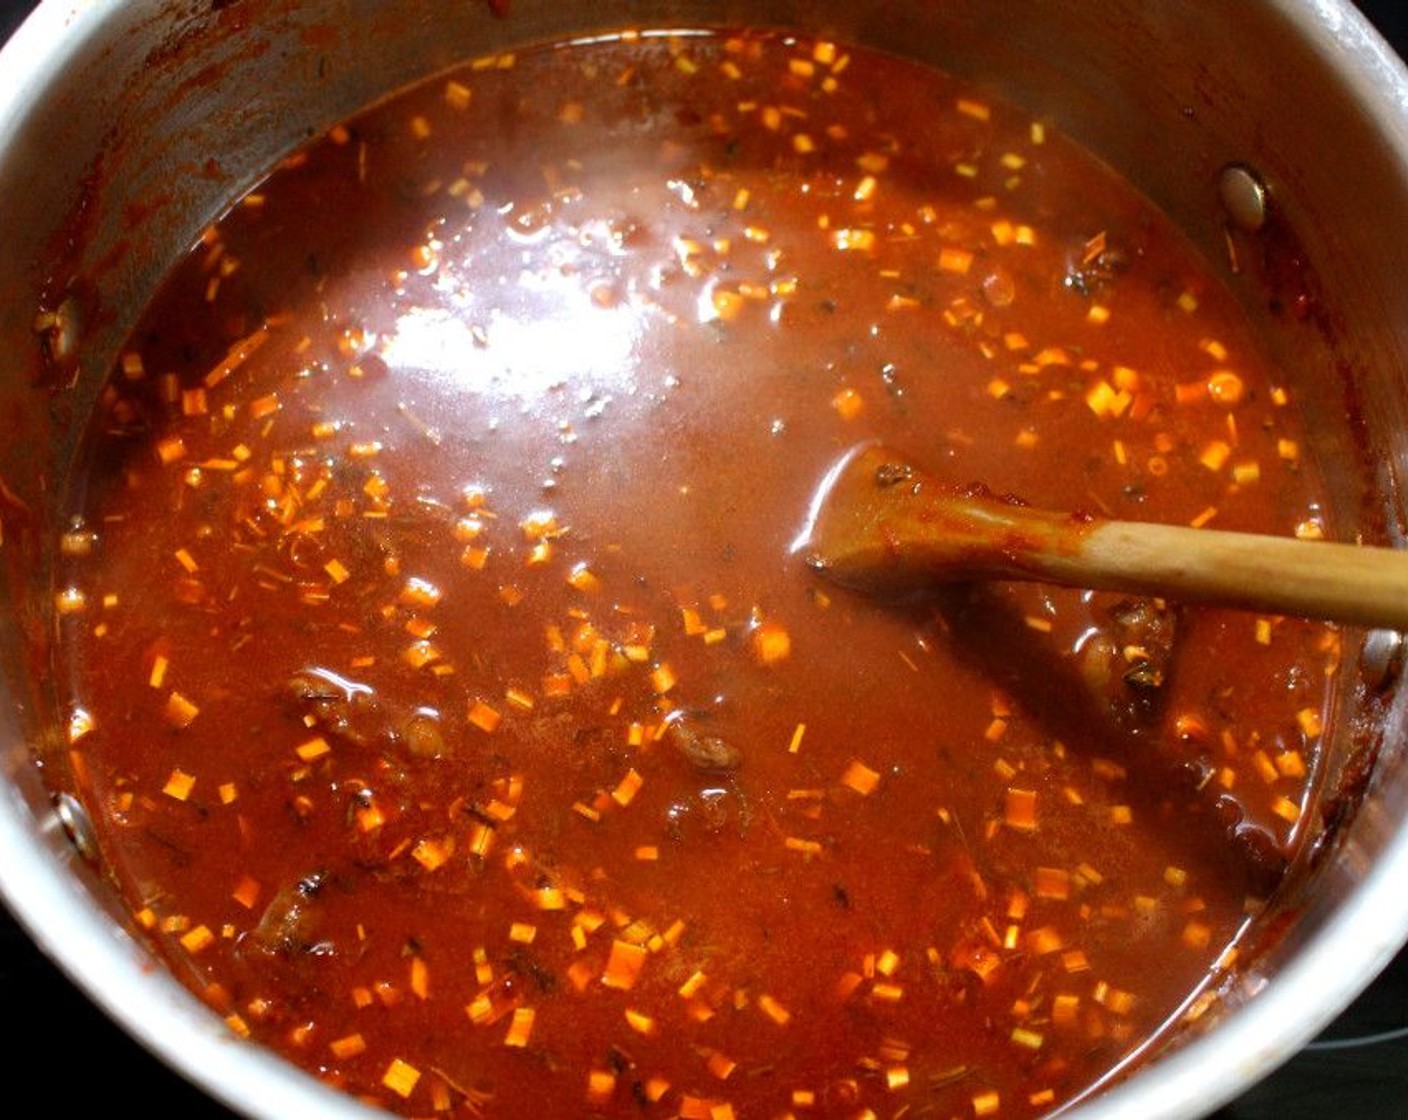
[1278,575]
[882,524]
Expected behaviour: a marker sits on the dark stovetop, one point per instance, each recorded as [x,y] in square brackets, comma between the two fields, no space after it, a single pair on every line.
[1357,1069]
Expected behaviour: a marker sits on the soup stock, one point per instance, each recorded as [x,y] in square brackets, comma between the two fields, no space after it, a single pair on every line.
[436,651]
[450,702]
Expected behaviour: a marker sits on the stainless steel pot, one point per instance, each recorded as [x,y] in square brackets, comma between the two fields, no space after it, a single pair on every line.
[1275,133]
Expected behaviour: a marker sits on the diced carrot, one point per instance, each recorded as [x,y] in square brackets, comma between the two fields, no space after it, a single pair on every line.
[860,777]
[400,1077]
[624,965]
[848,404]
[1020,809]
[179,785]
[420,977]
[774,1010]
[1052,882]
[770,643]
[348,1046]
[312,749]
[720,1065]
[627,788]
[194,940]
[484,716]
[520,1027]
[955,260]
[601,1083]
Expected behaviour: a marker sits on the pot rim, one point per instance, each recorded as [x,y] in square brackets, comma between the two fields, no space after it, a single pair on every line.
[1354,944]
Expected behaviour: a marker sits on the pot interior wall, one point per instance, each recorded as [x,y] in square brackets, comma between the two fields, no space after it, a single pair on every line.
[129,138]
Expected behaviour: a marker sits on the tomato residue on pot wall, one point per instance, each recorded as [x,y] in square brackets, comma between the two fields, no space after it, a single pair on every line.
[455,716]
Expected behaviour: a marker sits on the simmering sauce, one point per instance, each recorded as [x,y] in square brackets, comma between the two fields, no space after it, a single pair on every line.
[457,713]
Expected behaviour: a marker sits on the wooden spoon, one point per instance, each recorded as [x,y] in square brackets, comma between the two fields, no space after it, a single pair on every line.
[880,524]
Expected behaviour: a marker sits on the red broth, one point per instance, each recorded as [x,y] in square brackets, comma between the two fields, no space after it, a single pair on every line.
[457,713]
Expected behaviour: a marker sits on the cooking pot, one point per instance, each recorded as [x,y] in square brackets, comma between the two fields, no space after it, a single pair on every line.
[1274,133]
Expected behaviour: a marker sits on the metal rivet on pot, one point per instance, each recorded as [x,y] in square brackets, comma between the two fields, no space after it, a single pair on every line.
[1382,660]
[74,817]
[1243,197]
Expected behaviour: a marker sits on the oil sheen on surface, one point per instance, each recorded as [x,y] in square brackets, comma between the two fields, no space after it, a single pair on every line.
[457,713]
